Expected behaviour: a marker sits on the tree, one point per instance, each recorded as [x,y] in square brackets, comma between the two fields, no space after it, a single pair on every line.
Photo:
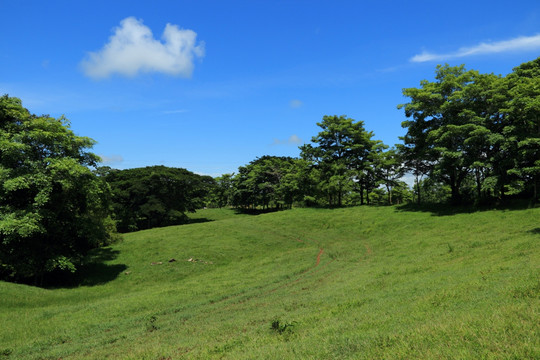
[343,146]
[415,162]
[390,168]
[448,129]
[523,129]
[269,181]
[155,196]
[53,208]
[478,131]
[222,193]
[369,174]
[401,193]
[276,179]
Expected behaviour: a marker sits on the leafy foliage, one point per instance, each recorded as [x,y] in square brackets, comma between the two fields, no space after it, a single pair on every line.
[342,153]
[155,196]
[270,181]
[53,209]
[479,131]
[281,327]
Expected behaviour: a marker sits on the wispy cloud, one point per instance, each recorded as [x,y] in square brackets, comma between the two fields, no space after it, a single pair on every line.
[295,103]
[179,111]
[111,159]
[522,43]
[214,175]
[132,49]
[292,140]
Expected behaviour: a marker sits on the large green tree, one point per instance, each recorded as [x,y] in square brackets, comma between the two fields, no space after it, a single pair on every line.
[222,193]
[267,181]
[368,173]
[53,208]
[341,152]
[447,132]
[478,133]
[390,169]
[523,128]
[156,196]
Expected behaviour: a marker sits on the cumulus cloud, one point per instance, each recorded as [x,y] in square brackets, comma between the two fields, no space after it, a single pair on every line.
[132,49]
[292,140]
[111,159]
[522,43]
[295,103]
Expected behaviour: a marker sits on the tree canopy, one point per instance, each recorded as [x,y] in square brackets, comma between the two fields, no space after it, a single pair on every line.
[342,151]
[155,196]
[53,208]
[469,128]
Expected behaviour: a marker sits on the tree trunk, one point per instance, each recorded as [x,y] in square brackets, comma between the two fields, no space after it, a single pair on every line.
[418,188]
[455,184]
[456,197]
[478,185]
[535,189]
[367,196]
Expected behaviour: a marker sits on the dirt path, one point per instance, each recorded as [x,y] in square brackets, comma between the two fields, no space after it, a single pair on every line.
[302,274]
[321,251]
[314,269]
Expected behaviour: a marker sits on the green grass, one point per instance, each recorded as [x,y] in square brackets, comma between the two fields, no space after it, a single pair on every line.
[389,284]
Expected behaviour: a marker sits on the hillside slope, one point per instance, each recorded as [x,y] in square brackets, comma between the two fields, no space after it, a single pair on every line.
[359,283]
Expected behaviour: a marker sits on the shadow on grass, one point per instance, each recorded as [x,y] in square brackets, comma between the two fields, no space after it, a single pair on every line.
[198,220]
[437,209]
[535,231]
[92,272]
[448,210]
[239,211]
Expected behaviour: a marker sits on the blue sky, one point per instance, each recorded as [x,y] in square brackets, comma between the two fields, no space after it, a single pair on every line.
[211,85]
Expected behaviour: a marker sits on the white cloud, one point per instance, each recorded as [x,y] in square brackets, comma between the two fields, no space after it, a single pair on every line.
[295,103]
[522,43]
[132,49]
[292,140]
[214,175]
[409,179]
[111,159]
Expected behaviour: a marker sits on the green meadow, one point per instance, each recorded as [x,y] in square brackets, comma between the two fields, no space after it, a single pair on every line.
[349,283]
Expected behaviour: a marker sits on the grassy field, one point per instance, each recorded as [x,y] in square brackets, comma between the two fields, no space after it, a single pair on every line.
[354,283]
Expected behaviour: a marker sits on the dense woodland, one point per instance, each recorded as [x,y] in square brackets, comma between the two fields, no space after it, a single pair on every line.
[470,139]
[154,196]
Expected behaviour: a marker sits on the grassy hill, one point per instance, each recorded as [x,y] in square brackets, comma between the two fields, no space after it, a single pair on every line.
[358,283]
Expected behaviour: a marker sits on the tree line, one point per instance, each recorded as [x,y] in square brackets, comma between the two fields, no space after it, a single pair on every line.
[479,134]
[343,166]
[470,138]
